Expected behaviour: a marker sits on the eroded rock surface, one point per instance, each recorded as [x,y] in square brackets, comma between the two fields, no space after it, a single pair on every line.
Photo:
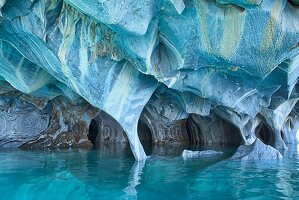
[256,151]
[234,60]
[108,130]
[68,125]
[211,130]
[21,121]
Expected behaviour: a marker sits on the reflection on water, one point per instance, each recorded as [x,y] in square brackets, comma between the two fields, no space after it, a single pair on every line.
[134,180]
[111,173]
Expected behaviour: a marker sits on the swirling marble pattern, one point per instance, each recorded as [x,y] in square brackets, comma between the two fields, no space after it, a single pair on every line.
[20,122]
[237,59]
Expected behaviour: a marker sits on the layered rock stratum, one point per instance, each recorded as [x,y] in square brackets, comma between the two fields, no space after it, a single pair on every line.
[179,71]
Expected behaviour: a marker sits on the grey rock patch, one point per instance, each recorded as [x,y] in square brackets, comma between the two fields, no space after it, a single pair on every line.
[256,151]
[20,121]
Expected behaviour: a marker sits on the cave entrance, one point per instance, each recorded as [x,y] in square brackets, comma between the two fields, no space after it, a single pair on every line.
[264,134]
[212,130]
[194,132]
[93,132]
[145,136]
[294,2]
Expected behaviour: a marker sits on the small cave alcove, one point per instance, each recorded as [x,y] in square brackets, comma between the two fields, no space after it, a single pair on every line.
[108,136]
[263,133]
[207,131]
[93,132]
[145,136]
[295,3]
[194,132]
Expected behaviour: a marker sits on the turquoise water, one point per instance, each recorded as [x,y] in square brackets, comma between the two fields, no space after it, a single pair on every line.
[112,173]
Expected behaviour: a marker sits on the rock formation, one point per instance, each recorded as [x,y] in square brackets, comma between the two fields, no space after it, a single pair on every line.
[179,71]
[187,154]
[256,151]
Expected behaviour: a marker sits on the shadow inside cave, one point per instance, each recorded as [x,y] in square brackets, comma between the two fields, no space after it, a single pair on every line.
[107,135]
[263,133]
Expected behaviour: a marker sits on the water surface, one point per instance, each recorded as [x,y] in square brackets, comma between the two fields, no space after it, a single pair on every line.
[112,173]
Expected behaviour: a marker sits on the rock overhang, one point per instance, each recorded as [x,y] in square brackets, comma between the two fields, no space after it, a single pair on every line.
[230,58]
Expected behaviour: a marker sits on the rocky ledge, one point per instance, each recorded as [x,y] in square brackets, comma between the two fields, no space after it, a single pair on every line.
[78,73]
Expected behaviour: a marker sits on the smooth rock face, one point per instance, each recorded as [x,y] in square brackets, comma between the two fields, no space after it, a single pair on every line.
[237,60]
[256,151]
[186,154]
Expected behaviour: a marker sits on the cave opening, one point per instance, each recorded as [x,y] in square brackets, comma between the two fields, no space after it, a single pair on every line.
[282,136]
[93,132]
[294,2]
[145,136]
[212,131]
[194,132]
[264,134]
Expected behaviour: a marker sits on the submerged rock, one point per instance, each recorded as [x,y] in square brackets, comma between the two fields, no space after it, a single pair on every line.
[196,154]
[256,151]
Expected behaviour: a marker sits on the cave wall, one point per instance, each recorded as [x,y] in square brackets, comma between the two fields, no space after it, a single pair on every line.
[68,125]
[234,59]
[290,129]
[212,130]
[20,121]
[109,130]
